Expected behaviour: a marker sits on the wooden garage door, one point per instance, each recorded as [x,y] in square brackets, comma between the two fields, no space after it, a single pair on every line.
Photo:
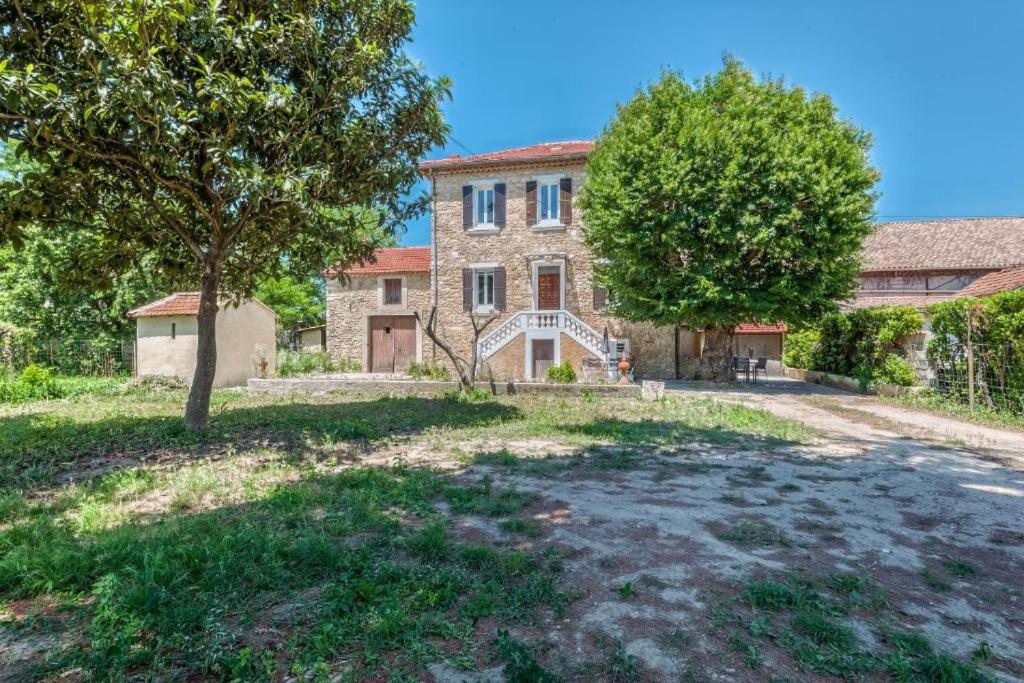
[392,342]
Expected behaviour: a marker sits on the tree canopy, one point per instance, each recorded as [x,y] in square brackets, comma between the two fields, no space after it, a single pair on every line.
[213,138]
[728,200]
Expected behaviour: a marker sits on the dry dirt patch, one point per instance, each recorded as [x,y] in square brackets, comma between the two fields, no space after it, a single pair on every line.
[667,545]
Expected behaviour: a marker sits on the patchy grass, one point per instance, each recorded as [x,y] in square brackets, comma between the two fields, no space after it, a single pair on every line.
[258,549]
[934,402]
[754,532]
[811,618]
[38,441]
[185,595]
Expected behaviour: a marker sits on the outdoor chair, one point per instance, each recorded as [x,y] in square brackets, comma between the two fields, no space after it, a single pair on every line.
[594,369]
[741,364]
[762,367]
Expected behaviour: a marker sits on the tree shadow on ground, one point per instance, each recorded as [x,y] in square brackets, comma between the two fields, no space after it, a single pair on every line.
[353,563]
[35,447]
[672,433]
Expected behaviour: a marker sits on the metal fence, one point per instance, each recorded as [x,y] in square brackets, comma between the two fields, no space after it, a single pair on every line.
[88,357]
[984,374]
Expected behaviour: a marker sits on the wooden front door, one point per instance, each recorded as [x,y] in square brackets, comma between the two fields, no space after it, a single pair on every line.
[549,294]
[543,352]
[392,343]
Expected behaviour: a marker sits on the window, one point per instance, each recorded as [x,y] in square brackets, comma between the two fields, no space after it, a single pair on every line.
[484,209]
[484,295]
[392,291]
[547,202]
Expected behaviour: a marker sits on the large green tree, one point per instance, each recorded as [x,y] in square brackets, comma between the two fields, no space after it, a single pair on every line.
[728,200]
[215,138]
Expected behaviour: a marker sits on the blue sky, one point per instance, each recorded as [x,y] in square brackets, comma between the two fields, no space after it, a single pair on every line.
[940,84]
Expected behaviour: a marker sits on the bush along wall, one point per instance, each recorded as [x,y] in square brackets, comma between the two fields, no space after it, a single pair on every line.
[997,346]
[866,344]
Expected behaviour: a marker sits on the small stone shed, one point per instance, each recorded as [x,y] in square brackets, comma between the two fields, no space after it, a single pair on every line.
[313,338]
[167,335]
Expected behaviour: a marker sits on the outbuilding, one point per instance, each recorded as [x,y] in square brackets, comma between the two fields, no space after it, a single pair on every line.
[167,335]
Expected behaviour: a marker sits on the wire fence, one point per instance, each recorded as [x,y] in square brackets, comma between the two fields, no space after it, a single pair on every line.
[86,357]
[988,375]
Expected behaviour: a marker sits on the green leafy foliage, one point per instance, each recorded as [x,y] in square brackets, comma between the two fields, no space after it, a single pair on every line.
[521,664]
[34,383]
[865,343]
[431,371]
[728,200]
[291,363]
[562,373]
[997,334]
[895,370]
[219,143]
[296,301]
[800,348]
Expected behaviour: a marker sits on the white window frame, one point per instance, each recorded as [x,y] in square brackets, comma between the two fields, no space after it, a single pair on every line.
[547,181]
[483,186]
[535,272]
[478,269]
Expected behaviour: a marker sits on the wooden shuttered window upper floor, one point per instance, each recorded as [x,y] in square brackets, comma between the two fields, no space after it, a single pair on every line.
[483,205]
[548,204]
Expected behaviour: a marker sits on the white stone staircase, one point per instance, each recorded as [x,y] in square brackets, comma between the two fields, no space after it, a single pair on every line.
[525,321]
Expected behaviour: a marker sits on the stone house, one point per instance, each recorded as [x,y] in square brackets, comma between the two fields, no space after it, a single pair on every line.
[371,310]
[506,246]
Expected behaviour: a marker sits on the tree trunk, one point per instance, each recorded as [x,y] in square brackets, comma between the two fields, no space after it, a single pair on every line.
[197,410]
[717,354]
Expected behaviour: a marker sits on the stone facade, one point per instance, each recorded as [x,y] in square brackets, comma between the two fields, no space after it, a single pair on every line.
[521,248]
[517,247]
[351,304]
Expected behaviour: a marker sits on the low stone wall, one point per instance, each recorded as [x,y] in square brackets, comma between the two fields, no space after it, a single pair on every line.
[283,385]
[847,383]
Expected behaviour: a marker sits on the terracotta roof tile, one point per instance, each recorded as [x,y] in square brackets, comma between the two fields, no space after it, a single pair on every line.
[547,151]
[179,303]
[388,260]
[1001,281]
[950,244]
[760,328]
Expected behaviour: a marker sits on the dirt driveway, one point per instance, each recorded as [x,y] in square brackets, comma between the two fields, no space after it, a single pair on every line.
[905,530]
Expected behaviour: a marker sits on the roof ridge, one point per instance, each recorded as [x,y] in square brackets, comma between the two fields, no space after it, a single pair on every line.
[952,219]
[522,147]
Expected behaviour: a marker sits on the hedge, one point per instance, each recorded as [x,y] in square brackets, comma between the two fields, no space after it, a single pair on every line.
[866,344]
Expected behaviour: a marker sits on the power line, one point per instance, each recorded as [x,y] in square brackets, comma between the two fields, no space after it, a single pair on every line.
[467,149]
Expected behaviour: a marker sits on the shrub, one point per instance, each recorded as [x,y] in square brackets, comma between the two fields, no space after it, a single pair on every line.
[157,383]
[562,374]
[800,348]
[896,370]
[33,384]
[861,343]
[431,371]
[291,363]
